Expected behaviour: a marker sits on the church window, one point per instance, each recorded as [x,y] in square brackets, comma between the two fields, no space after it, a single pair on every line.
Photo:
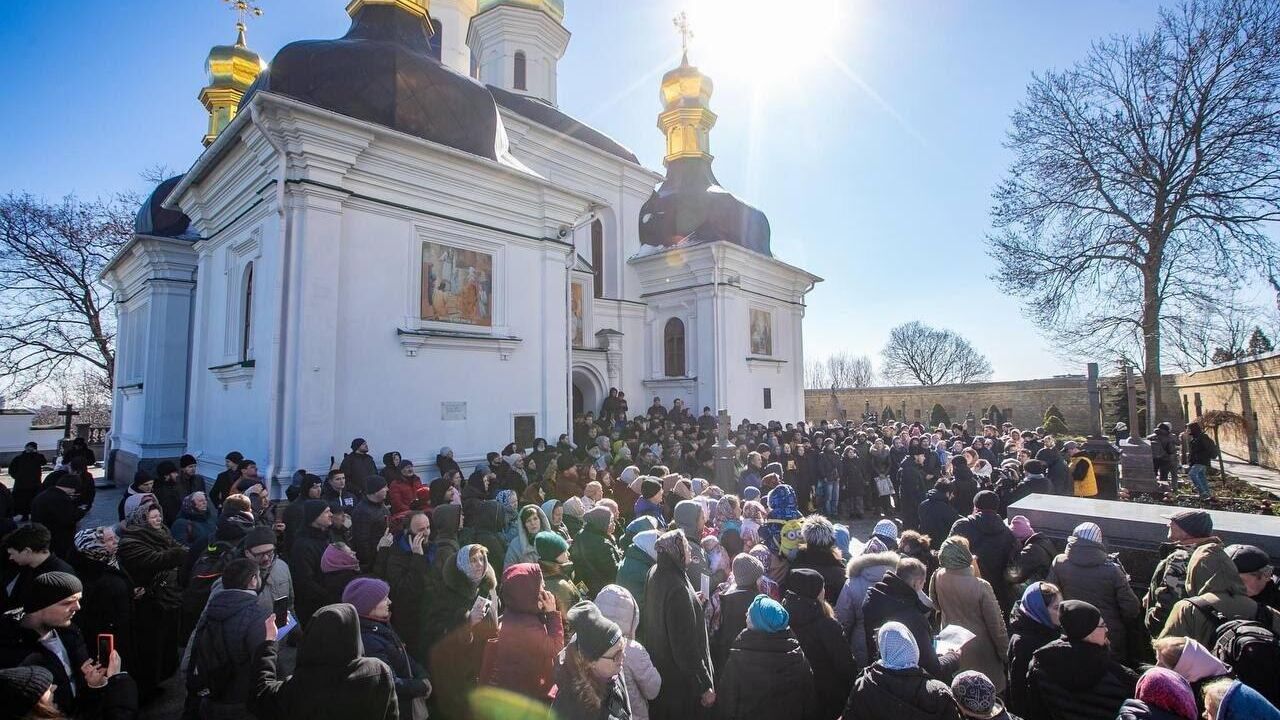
[673,348]
[597,256]
[437,39]
[246,316]
[768,398]
[520,71]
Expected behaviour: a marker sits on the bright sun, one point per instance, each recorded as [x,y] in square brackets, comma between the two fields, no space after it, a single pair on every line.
[768,40]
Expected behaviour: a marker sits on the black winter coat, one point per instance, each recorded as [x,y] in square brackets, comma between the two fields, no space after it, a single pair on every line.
[409,576]
[733,620]
[107,603]
[673,631]
[937,516]
[766,676]
[333,681]
[911,483]
[25,575]
[227,640]
[382,642]
[368,524]
[1034,559]
[304,564]
[826,564]
[56,510]
[358,466]
[26,469]
[152,559]
[1077,681]
[1031,485]
[1137,710]
[892,599]
[827,650]
[169,496]
[911,694]
[992,542]
[1056,470]
[1025,637]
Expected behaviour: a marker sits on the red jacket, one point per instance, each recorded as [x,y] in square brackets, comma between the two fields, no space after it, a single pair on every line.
[403,494]
[523,656]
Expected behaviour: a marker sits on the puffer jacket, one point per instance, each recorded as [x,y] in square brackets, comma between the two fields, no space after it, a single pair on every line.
[1084,572]
[937,516]
[1077,681]
[909,694]
[634,570]
[993,543]
[1033,561]
[1026,636]
[229,634]
[642,679]
[862,571]
[595,557]
[522,658]
[766,676]
[1212,577]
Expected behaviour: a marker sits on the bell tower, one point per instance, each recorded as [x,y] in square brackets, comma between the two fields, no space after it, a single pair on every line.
[517,44]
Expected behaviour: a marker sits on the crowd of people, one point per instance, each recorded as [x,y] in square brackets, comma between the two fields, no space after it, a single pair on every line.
[613,575]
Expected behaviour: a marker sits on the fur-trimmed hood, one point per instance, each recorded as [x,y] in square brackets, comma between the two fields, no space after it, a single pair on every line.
[860,563]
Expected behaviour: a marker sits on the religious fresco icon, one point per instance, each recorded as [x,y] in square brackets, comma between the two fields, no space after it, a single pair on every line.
[457,285]
[576,308]
[761,332]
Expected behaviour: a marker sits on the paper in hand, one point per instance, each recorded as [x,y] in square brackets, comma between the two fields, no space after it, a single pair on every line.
[705,582]
[952,637]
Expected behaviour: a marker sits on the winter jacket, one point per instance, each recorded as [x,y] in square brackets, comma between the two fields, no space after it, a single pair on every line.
[1134,709]
[911,487]
[1168,583]
[892,599]
[993,543]
[1201,450]
[381,642]
[645,506]
[483,526]
[910,694]
[522,658]
[937,515]
[862,571]
[357,466]
[1056,470]
[595,558]
[169,497]
[560,585]
[963,487]
[333,680]
[1212,578]
[456,646]
[1033,561]
[521,549]
[766,676]
[368,525]
[20,646]
[24,576]
[642,679]
[828,564]
[226,641]
[194,530]
[733,620]
[409,576]
[304,563]
[25,469]
[1077,681]
[1030,485]
[1026,636]
[969,602]
[673,630]
[402,493]
[107,603]
[827,650]
[1084,572]
[568,706]
[634,571]
[56,510]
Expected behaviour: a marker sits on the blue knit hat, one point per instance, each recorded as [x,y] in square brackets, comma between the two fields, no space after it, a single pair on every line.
[898,649]
[886,528]
[766,615]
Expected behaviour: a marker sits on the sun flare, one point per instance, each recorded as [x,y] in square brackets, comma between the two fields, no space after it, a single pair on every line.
[768,41]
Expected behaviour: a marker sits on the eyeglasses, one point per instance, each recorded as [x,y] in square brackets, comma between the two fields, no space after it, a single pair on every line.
[262,555]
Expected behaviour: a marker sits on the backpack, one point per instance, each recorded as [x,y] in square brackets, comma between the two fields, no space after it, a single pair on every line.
[1250,647]
[206,571]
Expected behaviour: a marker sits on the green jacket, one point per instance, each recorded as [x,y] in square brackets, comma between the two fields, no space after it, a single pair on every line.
[634,571]
[595,559]
[560,587]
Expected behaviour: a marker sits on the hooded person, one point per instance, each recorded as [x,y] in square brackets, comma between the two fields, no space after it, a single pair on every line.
[589,673]
[635,527]
[462,615]
[1234,700]
[691,517]
[1161,694]
[673,630]
[637,559]
[595,557]
[641,677]
[1086,572]
[1033,556]
[968,601]
[991,541]
[532,520]
[554,510]
[522,658]
[895,686]
[1033,623]
[767,674]
[862,571]
[446,524]
[557,571]
[1077,677]
[729,607]
[822,640]
[574,513]
[333,679]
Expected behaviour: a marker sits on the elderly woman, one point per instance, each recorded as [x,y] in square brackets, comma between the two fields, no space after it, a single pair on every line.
[151,558]
[673,630]
[107,604]
[895,686]
[968,601]
[196,521]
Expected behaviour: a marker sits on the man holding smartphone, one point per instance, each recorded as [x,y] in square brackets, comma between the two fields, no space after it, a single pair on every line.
[225,641]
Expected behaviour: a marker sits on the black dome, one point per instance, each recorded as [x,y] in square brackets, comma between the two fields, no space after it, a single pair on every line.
[154,219]
[381,71]
[690,204]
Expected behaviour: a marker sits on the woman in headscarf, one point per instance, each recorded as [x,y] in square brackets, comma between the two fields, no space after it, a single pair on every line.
[1033,623]
[968,601]
[1233,700]
[150,556]
[1161,694]
[333,681]
[196,521]
[510,515]
[673,630]
[462,616]
[554,510]
[767,674]
[895,686]
[107,603]
[521,549]
[589,673]
[573,515]
[1192,661]
[822,640]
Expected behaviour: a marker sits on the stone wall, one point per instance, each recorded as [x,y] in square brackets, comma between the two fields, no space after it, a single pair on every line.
[1250,388]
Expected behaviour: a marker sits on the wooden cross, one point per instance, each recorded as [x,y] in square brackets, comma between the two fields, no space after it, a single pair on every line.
[66,426]
[681,22]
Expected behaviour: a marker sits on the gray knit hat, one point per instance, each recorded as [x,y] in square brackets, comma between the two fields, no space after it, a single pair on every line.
[593,632]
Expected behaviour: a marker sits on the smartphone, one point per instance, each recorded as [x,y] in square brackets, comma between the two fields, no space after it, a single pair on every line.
[106,646]
[281,608]
[481,604]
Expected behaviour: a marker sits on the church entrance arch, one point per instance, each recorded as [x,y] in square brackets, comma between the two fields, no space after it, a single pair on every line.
[588,390]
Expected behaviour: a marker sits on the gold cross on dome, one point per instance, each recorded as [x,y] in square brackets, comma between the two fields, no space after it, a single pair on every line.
[243,9]
[681,22]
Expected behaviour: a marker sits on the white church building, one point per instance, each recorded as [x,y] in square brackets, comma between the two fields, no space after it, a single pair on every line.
[397,235]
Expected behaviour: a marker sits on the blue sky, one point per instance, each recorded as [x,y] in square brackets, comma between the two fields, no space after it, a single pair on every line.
[871,136]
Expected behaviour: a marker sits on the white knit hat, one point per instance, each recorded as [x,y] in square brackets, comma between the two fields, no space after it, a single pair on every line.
[1088,531]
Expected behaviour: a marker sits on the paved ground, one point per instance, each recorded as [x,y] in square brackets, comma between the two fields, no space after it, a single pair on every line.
[1262,477]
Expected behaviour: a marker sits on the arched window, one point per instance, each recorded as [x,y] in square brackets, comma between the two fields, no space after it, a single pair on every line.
[597,256]
[246,317]
[520,82]
[437,39]
[673,348]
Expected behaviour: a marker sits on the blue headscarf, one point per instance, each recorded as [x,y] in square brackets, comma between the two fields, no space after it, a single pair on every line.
[1033,606]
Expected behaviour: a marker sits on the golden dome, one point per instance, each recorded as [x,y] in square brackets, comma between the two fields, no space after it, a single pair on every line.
[554,8]
[231,69]
[686,117]
[686,87]
[417,7]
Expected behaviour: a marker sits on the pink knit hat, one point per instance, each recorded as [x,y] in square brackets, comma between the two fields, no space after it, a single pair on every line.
[1021,527]
[1168,691]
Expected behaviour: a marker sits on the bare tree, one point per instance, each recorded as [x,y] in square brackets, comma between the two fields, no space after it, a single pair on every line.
[55,316]
[846,370]
[1141,179]
[929,356]
[1192,341]
[816,376]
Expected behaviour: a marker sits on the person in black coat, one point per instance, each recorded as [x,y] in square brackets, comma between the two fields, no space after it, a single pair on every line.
[899,597]
[30,556]
[895,687]
[406,566]
[822,639]
[371,599]
[936,513]
[333,681]
[226,480]
[672,629]
[226,641]
[369,521]
[55,508]
[820,554]
[1055,469]
[358,466]
[991,541]
[152,559]
[767,674]
[1034,481]
[26,469]
[911,486]
[168,492]
[304,558]
[734,602]
[1076,678]
[964,485]
[1033,623]
[107,604]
